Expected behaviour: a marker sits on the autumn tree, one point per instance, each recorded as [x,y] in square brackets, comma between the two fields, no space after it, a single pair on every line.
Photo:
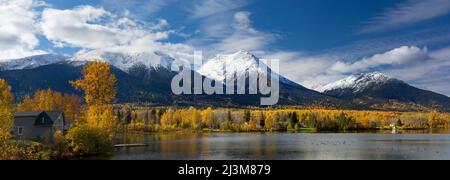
[247,116]
[26,105]
[433,119]
[269,123]
[6,109]
[196,121]
[49,100]
[208,118]
[167,119]
[293,120]
[262,122]
[98,85]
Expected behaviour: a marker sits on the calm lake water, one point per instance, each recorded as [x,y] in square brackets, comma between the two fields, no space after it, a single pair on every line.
[415,145]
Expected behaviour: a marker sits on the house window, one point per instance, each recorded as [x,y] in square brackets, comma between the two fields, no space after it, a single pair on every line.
[20,131]
[43,120]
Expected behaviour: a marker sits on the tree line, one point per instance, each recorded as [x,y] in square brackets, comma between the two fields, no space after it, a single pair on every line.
[245,120]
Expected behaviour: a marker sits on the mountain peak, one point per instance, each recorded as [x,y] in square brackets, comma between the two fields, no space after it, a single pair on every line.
[237,57]
[31,62]
[125,61]
[375,76]
[239,63]
[357,82]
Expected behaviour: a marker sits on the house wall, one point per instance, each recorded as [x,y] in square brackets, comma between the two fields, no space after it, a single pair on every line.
[58,124]
[30,131]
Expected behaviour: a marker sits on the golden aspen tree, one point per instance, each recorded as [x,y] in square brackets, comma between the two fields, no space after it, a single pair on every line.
[50,100]
[167,119]
[196,119]
[177,118]
[269,121]
[98,84]
[433,119]
[364,121]
[6,109]
[71,106]
[26,105]
[208,118]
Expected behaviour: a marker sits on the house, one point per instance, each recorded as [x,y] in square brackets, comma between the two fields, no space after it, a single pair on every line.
[38,125]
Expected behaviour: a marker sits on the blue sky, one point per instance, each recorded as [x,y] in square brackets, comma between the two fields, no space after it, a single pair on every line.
[317,41]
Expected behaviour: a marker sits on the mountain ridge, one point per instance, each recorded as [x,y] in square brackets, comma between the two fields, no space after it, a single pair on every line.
[376,89]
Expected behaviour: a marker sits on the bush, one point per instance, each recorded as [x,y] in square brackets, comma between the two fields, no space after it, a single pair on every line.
[10,150]
[86,141]
[60,145]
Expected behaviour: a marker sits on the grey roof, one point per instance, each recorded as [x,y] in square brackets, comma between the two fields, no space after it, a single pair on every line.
[28,114]
[54,114]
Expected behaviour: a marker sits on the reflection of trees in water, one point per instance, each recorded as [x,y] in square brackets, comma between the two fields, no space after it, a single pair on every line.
[180,145]
[274,146]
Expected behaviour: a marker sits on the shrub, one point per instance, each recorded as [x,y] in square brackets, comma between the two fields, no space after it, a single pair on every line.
[87,141]
[60,145]
[10,150]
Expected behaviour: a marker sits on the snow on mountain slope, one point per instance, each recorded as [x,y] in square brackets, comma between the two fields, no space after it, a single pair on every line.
[357,83]
[125,61]
[240,64]
[31,62]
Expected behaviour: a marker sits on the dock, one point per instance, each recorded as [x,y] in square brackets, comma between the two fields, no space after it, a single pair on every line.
[130,145]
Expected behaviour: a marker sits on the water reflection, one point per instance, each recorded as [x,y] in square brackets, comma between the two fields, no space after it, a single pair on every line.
[289,146]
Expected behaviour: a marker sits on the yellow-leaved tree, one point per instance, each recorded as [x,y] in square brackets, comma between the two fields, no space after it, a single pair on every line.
[208,118]
[95,136]
[50,100]
[98,85]
[6,110]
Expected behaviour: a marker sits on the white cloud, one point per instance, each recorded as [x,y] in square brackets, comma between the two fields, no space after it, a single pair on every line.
[207,8]
[97,31]
[244,36]
[310,71]
[17,28]
[441,53]
[432,74]
[231,33]
[398,56]
[407,13]
[93,28]
[242,21]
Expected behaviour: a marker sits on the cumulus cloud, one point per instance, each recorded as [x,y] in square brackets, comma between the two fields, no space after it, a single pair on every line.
[85,27]
[17,28]
[406,13]
[402,55]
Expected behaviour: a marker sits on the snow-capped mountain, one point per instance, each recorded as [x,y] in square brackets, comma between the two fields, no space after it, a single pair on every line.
[378,90]
[236,65]
[31,62]
[357,83]
[124,61]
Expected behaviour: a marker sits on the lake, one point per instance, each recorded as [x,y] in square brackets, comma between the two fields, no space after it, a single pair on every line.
[403,145]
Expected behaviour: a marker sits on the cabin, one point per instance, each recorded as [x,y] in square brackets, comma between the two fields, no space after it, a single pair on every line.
[38,125]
